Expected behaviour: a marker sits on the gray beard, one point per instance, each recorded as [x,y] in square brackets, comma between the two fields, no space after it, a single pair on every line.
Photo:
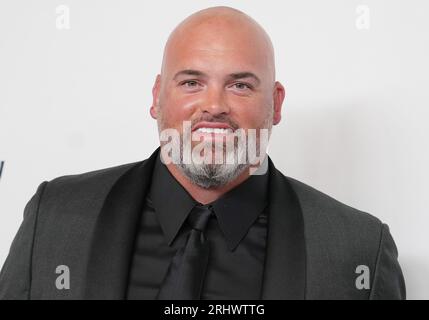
[211,175]
[207,175]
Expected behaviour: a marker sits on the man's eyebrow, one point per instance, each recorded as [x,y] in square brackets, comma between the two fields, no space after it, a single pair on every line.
[189,72]
[234,76]
[246,74]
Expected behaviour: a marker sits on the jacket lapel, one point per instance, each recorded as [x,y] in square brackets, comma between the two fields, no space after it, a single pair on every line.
[112,245]
[285,260]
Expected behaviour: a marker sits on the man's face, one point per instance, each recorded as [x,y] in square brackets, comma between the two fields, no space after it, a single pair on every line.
[215,94]
[218,77]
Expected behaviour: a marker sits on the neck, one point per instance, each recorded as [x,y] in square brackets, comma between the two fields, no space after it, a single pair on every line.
[203,195]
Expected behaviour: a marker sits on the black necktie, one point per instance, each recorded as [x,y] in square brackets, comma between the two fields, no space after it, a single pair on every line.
[185,275]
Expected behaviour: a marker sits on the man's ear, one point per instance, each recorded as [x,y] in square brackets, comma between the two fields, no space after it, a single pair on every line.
[278,98]
[155,97]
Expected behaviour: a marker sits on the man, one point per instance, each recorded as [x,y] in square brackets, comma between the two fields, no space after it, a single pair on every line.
[172,227]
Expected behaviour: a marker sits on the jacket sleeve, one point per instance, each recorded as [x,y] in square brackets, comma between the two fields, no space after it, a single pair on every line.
[15,276]
[388,281]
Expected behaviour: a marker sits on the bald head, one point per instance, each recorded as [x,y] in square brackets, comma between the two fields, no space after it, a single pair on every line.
[220,30]
[218,67]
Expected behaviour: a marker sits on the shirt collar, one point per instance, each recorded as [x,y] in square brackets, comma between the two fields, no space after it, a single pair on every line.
[235,211]
[239,208]
[172,203]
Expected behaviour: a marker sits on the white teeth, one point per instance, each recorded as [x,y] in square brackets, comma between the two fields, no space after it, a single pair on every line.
[214,130]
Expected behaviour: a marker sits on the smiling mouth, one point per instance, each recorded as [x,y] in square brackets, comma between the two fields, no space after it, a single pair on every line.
[214,130]
[213,127]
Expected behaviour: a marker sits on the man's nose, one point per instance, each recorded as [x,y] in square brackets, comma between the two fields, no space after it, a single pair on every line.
[215,102]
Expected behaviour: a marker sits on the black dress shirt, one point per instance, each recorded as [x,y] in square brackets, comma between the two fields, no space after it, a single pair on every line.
[237,236]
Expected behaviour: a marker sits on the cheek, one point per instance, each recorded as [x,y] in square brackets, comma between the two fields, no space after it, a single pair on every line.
[251,115]
[174,112]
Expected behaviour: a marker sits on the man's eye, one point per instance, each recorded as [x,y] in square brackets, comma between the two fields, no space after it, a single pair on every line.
[189,83]
[242,86]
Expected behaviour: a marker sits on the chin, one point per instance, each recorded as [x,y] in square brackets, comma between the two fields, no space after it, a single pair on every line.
[210,176]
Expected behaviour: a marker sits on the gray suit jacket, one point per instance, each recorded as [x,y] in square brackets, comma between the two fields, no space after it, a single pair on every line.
[317,247]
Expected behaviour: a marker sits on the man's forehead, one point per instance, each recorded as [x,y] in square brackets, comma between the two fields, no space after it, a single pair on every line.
[217,60]
[228,46]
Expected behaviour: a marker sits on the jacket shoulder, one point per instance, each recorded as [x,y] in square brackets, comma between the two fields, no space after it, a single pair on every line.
[101,177]
[99,174]
[84,189]
[320,205]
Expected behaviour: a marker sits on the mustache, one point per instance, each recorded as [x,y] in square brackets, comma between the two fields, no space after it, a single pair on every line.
[221,119]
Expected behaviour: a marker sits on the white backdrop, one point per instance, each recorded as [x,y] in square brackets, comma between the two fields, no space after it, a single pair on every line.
[354,120]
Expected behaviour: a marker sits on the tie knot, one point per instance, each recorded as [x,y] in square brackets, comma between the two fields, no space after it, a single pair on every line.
[199,217]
